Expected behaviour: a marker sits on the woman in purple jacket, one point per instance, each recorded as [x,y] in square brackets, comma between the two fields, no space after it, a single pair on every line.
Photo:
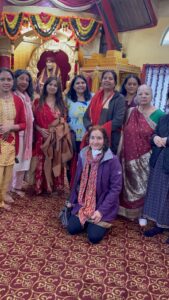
[95,194]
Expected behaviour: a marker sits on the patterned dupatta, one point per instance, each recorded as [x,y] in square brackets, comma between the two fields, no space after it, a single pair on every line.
[95,109]
[28,133]
[137,133]
[87,191]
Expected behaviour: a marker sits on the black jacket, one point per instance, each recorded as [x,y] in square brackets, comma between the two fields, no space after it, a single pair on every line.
[115,113]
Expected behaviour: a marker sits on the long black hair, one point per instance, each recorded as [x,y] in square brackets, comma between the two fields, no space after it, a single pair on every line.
[123,89]
[20,72]
[72,93]
[58,96]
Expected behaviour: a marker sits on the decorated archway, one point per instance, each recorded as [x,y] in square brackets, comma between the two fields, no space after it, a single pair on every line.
[65,56]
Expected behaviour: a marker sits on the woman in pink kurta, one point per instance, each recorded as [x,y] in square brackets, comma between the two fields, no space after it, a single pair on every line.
[24,90]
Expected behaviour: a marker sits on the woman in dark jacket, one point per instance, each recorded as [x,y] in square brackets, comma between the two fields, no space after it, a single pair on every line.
[107,108]
[156,207]
[95,194]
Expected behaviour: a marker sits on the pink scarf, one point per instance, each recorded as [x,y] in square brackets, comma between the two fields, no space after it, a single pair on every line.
[87,191]
[28,133]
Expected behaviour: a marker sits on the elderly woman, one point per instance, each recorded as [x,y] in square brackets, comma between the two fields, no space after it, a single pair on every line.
[136,151]
[95,194]
[129,89]
[24,89]
[107,108]
[156,206]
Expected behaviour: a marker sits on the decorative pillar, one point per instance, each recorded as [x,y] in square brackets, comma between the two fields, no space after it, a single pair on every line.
[5,58]
[12,55]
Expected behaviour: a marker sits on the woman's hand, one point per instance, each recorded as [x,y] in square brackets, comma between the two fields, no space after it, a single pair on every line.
[44,132]
[4,129]
[96,217]
[160,142]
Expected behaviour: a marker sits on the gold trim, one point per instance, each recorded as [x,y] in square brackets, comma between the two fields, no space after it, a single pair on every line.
[134,188]
[51,10]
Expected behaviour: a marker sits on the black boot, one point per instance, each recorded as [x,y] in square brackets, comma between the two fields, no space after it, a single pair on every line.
[153,231]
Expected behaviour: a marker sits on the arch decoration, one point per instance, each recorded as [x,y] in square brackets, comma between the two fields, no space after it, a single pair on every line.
[44,25]
[51,45]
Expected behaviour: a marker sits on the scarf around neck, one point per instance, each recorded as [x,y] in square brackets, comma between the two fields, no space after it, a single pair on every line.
[87,191]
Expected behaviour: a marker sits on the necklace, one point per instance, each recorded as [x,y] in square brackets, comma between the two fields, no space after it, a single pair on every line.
[6,97]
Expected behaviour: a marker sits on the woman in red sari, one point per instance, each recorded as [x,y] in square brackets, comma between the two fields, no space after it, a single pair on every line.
[136,151]
[52,138]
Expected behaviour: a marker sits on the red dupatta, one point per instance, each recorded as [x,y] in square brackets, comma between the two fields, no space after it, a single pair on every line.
[95,109]
[137,133]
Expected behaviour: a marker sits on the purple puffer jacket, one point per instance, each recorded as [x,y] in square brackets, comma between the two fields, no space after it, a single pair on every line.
[109,184]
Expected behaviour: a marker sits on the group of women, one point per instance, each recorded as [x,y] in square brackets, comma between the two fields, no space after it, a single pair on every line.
[108,142]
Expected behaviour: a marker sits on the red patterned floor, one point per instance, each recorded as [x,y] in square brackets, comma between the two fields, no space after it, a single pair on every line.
[40,261]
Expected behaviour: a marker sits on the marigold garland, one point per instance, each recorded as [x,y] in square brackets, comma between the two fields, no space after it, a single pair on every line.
[12,28]
[44,30]
[44,25]
[82,35]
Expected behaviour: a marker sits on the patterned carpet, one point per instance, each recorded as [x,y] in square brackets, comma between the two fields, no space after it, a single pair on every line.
[39,260]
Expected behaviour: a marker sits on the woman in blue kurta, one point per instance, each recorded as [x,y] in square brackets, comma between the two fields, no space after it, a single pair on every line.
[95,193]
[77,101]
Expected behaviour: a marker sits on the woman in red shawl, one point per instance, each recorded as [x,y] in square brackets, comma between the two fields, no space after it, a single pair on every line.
[51,133]
[107,108]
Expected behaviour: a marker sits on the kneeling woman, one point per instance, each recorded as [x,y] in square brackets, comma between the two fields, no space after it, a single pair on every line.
[95,194]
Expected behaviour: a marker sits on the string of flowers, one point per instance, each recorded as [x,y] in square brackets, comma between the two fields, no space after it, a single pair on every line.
[156,82]
[147,73]
[84,29]
[161,84]
[12,28]
[87,34]
[44,30]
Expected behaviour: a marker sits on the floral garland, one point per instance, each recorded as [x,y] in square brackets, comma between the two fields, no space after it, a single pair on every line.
[84,34]
[83,30]
[12,25]
[156,81]
[157,76]
[44,29]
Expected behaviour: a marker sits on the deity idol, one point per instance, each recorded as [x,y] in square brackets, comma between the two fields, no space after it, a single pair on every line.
[51,69]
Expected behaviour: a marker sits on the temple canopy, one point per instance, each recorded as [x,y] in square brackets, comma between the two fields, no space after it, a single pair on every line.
[116,16]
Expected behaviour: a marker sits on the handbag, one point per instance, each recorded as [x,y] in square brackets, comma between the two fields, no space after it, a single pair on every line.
[64,215]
